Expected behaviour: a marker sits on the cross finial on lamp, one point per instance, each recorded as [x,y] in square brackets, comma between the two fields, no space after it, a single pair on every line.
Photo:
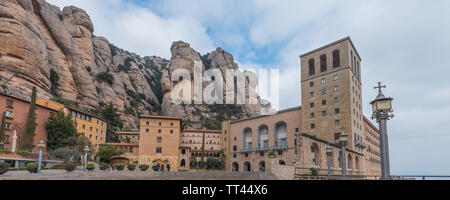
[379,87]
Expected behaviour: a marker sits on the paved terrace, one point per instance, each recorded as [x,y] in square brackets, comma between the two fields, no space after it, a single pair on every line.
[135,175]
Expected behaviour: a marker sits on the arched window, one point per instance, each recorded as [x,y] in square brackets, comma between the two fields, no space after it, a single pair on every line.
[247,139]
[263,137]
[262,166]
[280,135]
[349,163]
[336,58]
[323,63]
[183,163]
[311,67]
[247,167]
[235,167]
[357,163]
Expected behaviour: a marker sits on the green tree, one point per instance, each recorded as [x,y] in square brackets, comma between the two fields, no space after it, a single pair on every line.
[54,80]
[61,131]
[113,120]
[2,129]
[106,152]
[30,126]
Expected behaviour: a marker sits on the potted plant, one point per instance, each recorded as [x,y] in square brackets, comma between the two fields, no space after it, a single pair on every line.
[143,167]
[314,172]
[119,166]
[69,167]
[104,166]
[90,167]
[32,167]
[272,155]
[4,167]
[131,167]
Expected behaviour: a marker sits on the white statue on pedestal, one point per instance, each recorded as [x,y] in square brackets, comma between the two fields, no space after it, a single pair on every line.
[14,141]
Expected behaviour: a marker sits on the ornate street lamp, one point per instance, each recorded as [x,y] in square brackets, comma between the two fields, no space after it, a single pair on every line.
[41,146]
[343,141]
[86,150]
[382,109]
[329,151]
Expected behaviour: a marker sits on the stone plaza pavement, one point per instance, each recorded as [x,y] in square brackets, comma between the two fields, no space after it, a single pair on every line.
[135,175]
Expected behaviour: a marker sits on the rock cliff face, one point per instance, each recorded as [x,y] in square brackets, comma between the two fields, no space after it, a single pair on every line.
[38,39]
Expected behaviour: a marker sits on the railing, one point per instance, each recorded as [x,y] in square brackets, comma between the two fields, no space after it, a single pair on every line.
[421,177]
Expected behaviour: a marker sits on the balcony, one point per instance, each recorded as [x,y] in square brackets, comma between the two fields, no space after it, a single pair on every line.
[360,144]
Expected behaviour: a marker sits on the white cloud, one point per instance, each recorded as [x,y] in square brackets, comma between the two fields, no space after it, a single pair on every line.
[139,30]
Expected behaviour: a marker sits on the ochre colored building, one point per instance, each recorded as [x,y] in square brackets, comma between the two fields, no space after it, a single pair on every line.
[160,140]
[16,110]
[87,125]
[372,153]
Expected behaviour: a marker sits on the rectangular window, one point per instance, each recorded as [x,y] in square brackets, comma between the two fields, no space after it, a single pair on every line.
[158,150]
[336,100]
[312,115]
[234,148]
[313,126]
[324,102]
[311,84]
[9,103]
[338,122]
[336,77]
[324,113]
[337,111]
[159,140]
[336,88]
[324,91]
[311,105]
[8,126]
[147,130]
[311,94]
[9,114]
[323,81]
[159,131]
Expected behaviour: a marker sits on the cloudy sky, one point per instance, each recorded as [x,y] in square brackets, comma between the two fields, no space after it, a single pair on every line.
[403,43]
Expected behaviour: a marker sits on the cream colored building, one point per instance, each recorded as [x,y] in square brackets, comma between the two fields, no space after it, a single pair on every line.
[249,141]
[331,93]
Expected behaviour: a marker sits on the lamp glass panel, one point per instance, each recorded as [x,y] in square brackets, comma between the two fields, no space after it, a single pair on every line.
[384,104]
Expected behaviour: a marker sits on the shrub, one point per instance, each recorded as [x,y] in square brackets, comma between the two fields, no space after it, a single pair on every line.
[90,167]
[314,172]
[106,77]
[104,166]
[143,167]
[4,167]
[119,166]
[155,167]
[272,155]
[32,167]
[58,166]
[69,167]
[23,153]
[131,167]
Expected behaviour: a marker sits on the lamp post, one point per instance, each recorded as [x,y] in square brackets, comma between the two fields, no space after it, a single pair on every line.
[382,109]
[86,150]
[41,146]
[329,151]
[343,141]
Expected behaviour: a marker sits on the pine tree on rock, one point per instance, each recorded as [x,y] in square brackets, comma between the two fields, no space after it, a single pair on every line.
[30,126]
